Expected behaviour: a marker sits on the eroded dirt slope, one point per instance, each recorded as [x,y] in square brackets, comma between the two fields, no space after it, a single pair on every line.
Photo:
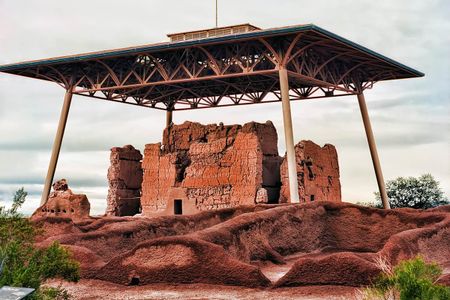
[322,243]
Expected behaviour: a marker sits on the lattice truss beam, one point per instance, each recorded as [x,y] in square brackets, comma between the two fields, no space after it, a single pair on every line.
[244,72]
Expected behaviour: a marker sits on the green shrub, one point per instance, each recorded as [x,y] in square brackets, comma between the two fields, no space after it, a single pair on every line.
[412,279]
[24,265]
[51,293]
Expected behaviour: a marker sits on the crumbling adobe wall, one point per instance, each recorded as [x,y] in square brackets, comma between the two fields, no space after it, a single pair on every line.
[211,167]
[62,202]
[159,177]
[317,173]
[125,179]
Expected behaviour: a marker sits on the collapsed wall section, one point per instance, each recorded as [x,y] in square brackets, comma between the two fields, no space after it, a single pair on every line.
[201,167]
[317,173]
[125,179]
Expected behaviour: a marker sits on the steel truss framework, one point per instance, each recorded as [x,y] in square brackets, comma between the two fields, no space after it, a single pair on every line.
[212,74]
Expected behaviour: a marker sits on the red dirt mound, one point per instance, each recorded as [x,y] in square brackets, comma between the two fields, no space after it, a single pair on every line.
[444,280]
[180,260]
[218,246]
[320,226]
[343,268]
[111,236]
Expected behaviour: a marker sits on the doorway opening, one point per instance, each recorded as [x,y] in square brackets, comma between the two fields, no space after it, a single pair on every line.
[178,207]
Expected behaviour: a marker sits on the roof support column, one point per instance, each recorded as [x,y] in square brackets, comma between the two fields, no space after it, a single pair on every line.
[57,145]
[289,136]
[168,123]
[373,150]
[168,118]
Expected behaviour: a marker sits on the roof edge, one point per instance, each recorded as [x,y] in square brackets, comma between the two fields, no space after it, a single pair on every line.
[362,48]
[188,43]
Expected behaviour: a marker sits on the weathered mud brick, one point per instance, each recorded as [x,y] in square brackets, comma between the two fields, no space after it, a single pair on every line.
[211,166]
[317,173]
[62,202]
[125,180]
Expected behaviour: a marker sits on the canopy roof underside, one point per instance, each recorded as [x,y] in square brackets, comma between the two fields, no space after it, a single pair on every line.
[228,70]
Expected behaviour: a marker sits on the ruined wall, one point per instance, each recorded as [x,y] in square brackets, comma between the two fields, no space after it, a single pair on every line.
[62,202]
[210,167]
[159,177]
[125,179]
[317,173]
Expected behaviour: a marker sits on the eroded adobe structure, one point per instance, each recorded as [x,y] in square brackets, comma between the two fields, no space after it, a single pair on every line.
[125,180]
[317,173]
[202,167]
[62,202]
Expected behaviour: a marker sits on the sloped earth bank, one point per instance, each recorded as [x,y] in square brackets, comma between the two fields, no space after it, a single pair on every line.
[314,244]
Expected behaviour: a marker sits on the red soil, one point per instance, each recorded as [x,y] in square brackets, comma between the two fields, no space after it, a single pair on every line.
[89,289]
[325,242]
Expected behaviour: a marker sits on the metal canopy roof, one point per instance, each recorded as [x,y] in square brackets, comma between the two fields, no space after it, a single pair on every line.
[220,71]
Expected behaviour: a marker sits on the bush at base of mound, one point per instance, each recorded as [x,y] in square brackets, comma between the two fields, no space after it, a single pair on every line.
[410,279]
[180,260]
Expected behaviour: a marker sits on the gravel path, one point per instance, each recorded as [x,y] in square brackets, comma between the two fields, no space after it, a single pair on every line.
[95,289]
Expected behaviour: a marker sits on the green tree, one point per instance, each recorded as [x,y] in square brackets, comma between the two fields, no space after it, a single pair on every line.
[422,192]
[24,265]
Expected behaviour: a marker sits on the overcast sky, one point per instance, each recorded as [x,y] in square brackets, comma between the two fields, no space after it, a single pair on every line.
[410,118]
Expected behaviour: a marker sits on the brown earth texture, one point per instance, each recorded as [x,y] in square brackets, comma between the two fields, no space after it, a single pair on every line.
[318,250]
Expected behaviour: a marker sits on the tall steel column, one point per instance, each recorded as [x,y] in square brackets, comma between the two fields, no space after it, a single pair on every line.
[289,136]
[373,150]
[57,145]
[168,118]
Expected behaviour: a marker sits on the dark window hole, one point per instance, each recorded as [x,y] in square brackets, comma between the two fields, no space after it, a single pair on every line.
[134,281]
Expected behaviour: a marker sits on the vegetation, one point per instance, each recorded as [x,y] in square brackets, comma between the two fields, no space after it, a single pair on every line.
[422,192]
[24,265]
[412,279]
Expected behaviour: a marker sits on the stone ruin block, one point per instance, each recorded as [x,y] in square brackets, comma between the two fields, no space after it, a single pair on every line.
[62,202]
[201,167]
[317,173]
[125,179]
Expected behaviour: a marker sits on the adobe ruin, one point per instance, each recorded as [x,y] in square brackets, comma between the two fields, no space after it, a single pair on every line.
[203,167]
[125,179]
[62,202]
[317,173]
